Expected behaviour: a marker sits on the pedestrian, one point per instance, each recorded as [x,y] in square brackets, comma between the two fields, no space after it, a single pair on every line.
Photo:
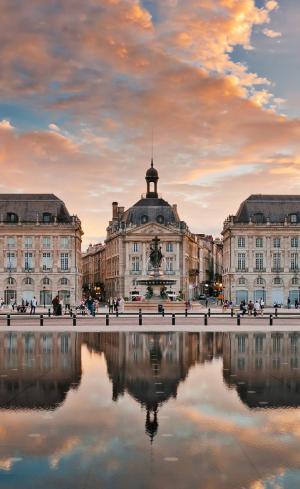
[262,305]
[55,304]
[110,305]
[250,308]
[33,305]
[296,303]
[257,307]
[288,303]
[121,304]
[206,302]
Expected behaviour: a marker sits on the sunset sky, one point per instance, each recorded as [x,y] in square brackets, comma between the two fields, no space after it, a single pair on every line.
[82,84]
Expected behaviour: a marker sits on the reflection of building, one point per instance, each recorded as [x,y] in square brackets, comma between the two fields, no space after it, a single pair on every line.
[41,246]
[151,366]
[264,368]
[37,370]
[187,258]
[261,250]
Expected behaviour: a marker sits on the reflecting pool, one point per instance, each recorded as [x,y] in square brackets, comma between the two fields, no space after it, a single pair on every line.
[154,410]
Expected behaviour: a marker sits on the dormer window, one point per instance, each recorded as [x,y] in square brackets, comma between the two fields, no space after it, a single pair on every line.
[160,219]
[12,217]
[47,217]
[258,218]
[293,218]
[144,219]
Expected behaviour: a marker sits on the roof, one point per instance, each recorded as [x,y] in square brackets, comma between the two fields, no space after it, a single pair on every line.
[29,207]
[272,208]
[151,210]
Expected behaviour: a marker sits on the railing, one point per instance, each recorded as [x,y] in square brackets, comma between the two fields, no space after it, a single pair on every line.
[261,270]
[28,270]
[241,270]
[277,270]
[46,269]
[135,272]
[10,269]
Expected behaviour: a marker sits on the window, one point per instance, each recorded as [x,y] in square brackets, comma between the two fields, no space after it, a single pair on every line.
[47,217]
[259,242]
[169,247]
[258,218]
[28,281]
[241,242]
[242,281]
[169,264]
[160,219]
[28,242]
[144,219]
[294,261]
[136,247]
[276,344]
[12,217]
[294,243]
[28,260]
[276,261]
[135,263]
[241,261]
[259,261]
[46,261]
[11,281]
[293,218]
[276,242]
[11,242]
[241,343]
[64,281]
[65,242]
[46,242]
[64,344]
[46,281]
[260,281]
[259,343]
[11,261]
[277,281]
[294,281]
[64,261]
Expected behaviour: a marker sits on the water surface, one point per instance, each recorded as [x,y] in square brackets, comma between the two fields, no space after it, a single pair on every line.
[176,410]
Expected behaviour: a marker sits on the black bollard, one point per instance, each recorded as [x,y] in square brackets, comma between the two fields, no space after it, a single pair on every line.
[208,312]
[8,319]
[41,320]
[231,312]
[186,313]
[205,319]
[163,312]
[173,319]
[49,312]
[106,319]
[276,312]
[140,317]
[238,319]
[271,320]
[74,319]
[117,313]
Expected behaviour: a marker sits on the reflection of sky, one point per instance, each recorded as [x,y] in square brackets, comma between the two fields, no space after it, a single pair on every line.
[91,441]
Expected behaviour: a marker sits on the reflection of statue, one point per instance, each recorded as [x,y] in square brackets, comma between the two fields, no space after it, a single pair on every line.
[155,253]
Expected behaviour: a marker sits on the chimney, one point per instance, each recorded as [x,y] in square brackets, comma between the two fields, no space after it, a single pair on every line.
[115,211]
[121,212]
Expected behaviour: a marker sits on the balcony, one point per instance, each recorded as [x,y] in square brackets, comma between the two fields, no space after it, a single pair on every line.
[294,269]
[276,270]
[241,270]
[10,269]
[259,270]
[46,269]
[135,272]
[63,270]
[27,269]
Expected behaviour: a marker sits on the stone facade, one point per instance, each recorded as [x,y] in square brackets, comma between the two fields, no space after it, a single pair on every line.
[187,258]
[93,270]
[261,250]
[40,249]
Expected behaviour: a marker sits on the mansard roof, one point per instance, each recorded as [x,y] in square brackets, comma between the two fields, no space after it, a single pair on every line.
[30,207]
[272,208]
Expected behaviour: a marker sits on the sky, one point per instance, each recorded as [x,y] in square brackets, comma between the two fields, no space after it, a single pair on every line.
[84,84]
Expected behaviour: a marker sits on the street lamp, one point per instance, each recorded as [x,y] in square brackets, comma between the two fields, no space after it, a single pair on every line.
[44,295]
[263,289]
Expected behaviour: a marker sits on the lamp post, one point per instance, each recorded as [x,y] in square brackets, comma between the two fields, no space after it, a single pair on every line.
[298,295]
[44,295]
[263,289]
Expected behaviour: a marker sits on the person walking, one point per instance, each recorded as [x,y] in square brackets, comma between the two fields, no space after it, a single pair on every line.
[262,305]
[33,305]
[110,305]
[257,307]
[250,308]
[55,304]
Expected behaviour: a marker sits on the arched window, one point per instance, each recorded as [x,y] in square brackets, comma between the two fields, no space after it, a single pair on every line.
[11,281]
[47,217]
[64,281]
[260,281]
[46,281]
[12,217]
[28,281]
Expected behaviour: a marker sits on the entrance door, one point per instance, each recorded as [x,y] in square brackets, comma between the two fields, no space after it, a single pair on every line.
[277,296]
[10,295]
[27,295]
[241,295]
[294,295]
[259,294]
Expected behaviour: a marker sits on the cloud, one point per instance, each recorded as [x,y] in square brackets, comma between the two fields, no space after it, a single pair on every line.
[5,124]
[271,33]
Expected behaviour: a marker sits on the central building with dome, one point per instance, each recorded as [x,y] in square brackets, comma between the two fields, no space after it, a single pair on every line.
[187,259]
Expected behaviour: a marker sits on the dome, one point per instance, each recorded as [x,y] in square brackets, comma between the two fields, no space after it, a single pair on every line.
[152,173]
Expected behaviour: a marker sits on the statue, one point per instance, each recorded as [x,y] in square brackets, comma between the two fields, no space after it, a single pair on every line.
[155,253]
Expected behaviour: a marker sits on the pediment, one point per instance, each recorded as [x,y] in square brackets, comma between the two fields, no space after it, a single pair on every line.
[152,229]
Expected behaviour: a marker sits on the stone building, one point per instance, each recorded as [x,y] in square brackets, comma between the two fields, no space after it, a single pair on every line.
[93,261]
[261,250]
[40,249]
[127,246]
